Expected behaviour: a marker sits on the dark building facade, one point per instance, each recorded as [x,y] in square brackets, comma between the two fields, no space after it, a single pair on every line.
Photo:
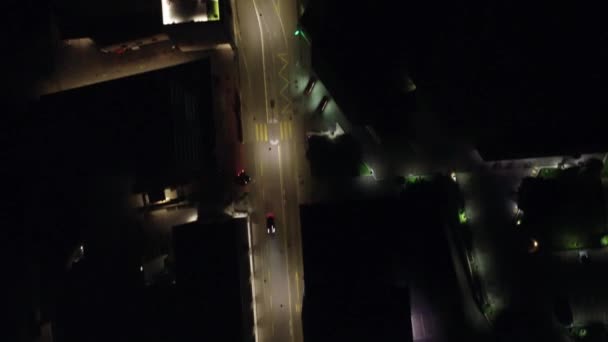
[212,278]
[353,289]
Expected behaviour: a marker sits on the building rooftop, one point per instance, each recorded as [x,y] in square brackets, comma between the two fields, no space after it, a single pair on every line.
[514,91]
[212,277]
[161,118]
[184,11]
[108,21]
[350,292]
[114,21]
[519,137]
[373,78]
[378,270]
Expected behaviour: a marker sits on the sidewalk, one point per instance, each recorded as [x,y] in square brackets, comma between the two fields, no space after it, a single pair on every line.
[484,259]
[305,109]
[228,149]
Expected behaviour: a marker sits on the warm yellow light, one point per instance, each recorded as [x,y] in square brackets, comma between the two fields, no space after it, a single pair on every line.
[534,247]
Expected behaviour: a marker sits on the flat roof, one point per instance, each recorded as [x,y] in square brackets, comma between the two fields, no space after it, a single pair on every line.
[366,86]
[382,269]
[180,11]
[349,290]
[108,21]
[546,139]
[213,281]
[514,88]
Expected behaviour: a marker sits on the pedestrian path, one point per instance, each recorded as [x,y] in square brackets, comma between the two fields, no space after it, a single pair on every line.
[261,132]
[286,130]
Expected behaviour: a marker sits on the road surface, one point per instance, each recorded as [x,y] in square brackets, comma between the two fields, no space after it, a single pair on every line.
[273,155]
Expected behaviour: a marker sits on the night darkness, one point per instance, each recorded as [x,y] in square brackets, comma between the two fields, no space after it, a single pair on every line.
[434,171]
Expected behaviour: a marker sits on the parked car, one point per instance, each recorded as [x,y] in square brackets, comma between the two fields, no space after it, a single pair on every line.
[310,86]
[323,104]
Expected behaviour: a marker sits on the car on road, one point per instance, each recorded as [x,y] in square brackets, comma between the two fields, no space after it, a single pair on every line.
[310,86]
[323,104]
[242,178]
[271,228]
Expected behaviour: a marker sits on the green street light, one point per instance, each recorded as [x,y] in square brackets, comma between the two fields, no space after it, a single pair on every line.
[297,33]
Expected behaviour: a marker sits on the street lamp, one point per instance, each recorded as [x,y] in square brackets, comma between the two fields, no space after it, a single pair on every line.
[533,246]
[518,215]
[453,175]
[462,216]
[582,332]
[299,32]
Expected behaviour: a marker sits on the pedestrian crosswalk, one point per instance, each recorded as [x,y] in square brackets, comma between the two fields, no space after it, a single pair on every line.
[286,130]
[261,132]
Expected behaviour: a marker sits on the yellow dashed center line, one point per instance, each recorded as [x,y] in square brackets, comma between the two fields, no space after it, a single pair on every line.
[257,132]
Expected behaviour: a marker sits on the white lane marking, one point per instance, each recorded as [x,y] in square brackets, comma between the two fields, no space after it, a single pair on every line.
[251,269]
[278,11]
[257,16]
[285,245]
[242,51]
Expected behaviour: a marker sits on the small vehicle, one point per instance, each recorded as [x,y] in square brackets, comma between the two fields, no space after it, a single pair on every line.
[242,178]
[310,86]
[271,228]
[583,257]
[323,103]
[76,256]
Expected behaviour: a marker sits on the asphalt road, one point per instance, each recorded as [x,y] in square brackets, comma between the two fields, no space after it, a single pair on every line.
[273,156]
